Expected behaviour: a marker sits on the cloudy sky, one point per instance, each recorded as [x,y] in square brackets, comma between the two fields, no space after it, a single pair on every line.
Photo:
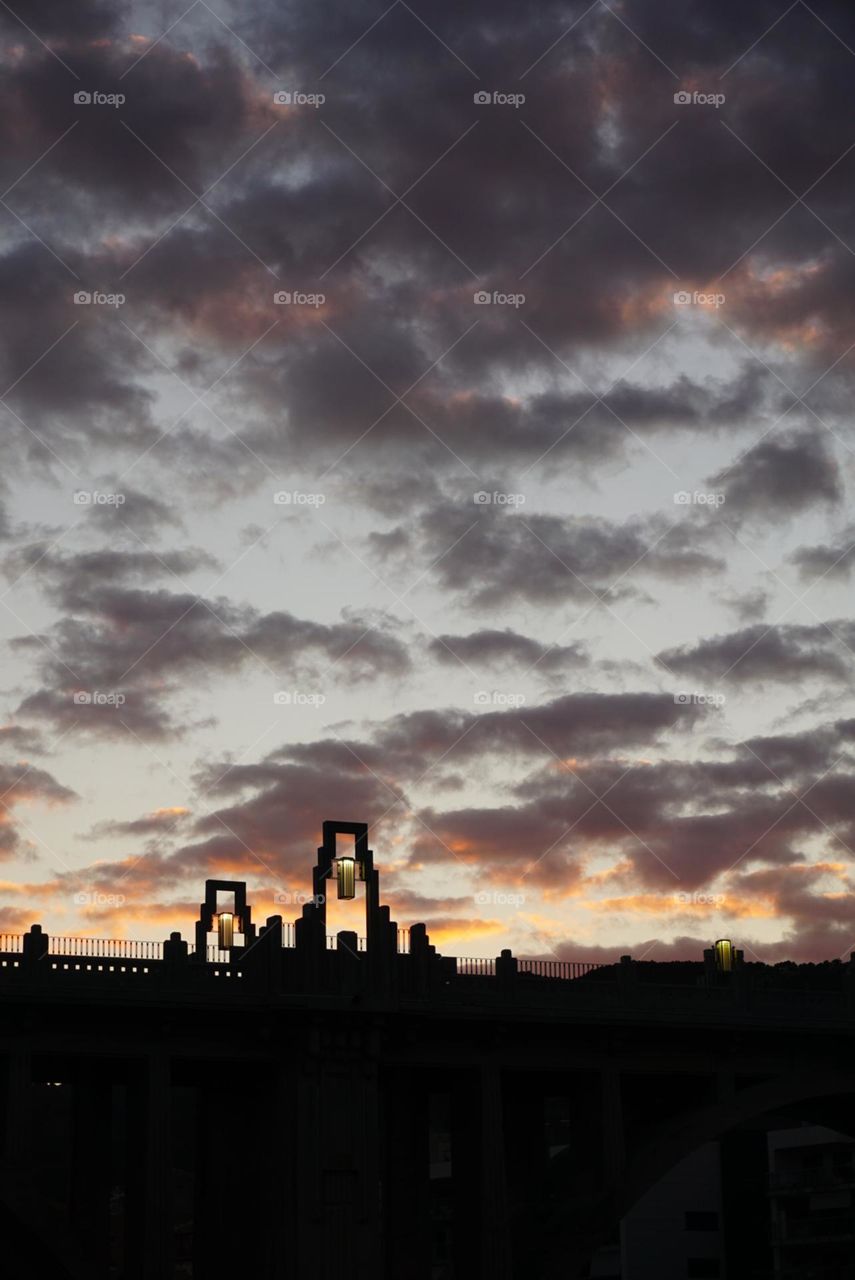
[437,416]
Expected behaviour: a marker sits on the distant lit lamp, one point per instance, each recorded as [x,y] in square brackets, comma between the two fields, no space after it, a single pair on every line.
[346,877]
[226,930]
[723,955]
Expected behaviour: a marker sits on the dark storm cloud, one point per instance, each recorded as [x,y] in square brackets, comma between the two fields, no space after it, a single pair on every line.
[748,606]
[146,643]
[54,19]
[818,901]
[677,824]
[185,109]
[200,111]
[268,836]
[780,652]
[73,581]
[782,476]
[493,648]
[67,371]
[827,560]
[618,83]
[21,786]
[493,554]
[162,822]
[17,738]
[405,747]
[140,517]
[798,755]
[88,199]
[574,724]
[322,381]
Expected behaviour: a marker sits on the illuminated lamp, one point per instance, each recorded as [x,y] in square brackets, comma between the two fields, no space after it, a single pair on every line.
[226,930]
[346,877]
[723,955]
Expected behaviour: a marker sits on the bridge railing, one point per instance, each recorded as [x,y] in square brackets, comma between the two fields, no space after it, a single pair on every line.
[332,943]
[566,969]
[130,949]
[475,967]
[106,948]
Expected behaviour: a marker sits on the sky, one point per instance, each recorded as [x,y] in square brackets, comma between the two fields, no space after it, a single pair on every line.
[438,417]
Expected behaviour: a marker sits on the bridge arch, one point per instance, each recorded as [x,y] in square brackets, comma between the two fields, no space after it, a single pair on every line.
[570,1249]
[681,1138]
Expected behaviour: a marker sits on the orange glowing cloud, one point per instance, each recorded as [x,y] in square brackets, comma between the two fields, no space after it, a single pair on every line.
[449,928]
[684,903]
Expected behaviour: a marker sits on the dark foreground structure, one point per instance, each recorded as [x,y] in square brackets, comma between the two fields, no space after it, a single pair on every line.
[294,1107]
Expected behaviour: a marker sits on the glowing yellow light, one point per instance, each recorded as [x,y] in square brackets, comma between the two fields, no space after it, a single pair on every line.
[724,955]
[226,929]
[346,877]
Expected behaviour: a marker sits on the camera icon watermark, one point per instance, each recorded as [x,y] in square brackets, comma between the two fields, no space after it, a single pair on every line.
[94,899]
[497,98]
[296,698]
[96,498]
[499,899]
[495,499]
[698,498]
[296,498]
[86,298]
[296,898]
[94,98]
[694,98]
[684,699]
[698,899]
[293,298]
[484,298]
[286,98]
[496,698]
[97,698]
[682,298]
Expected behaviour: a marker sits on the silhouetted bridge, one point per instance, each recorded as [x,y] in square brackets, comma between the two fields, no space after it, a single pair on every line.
[288,1106]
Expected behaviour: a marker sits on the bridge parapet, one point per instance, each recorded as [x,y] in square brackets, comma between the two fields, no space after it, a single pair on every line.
[350,975]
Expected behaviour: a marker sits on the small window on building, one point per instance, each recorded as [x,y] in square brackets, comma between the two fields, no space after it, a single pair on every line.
[699,1268]
[701,1220]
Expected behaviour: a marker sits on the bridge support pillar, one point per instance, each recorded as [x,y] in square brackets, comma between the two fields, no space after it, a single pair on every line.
[614,1146]
[335,1161]
[90,1182]
[17,1165]
[149,1234]
[482,1243]
[495,1234]
[285,1175]
[406,1175]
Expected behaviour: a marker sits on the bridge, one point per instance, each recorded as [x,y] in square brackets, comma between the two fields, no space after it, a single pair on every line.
[293,1106]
